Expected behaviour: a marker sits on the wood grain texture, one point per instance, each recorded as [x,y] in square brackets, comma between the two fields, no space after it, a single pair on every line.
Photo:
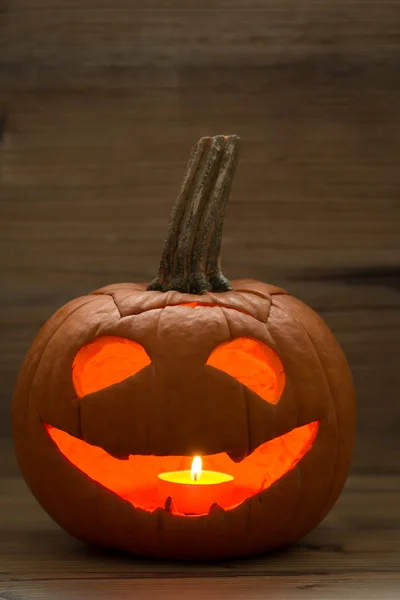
[59,33]
[354,553]
[324,587]
[319,587]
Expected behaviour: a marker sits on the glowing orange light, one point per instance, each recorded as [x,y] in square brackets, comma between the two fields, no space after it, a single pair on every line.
[197,468]
[194,492]
[133,479]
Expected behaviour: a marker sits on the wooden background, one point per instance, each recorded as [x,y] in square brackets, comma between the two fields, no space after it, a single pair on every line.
[100,103]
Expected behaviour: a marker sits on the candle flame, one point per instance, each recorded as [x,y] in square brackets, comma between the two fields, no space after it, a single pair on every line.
[197,467]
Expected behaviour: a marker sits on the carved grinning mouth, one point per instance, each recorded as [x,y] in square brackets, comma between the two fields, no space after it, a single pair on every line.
[135,478]
[109,360]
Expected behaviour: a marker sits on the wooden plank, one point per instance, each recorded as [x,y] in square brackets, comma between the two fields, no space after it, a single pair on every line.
[56,33]
[325,587]
[334,177]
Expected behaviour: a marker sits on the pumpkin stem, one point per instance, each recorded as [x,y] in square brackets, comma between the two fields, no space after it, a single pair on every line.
[190,261]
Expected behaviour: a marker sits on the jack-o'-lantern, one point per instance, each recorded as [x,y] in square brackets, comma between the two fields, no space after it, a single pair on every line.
[134,380]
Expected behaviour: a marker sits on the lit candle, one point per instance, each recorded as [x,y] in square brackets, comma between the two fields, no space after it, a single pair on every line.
[194,491]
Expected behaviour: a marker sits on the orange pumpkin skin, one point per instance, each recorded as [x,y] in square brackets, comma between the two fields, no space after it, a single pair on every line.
[177,404]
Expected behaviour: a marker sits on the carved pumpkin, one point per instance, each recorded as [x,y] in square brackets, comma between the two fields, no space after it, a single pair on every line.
[133,380]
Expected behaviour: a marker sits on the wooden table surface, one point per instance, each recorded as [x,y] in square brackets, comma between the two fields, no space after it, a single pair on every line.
[355,553]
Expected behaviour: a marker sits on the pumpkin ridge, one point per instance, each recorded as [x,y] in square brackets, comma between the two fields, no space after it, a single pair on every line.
[198,304]
[293,315]
[245,398]
[47,344]
[151,389]
[254,293]
[265,290]
[328,502]
[112,295]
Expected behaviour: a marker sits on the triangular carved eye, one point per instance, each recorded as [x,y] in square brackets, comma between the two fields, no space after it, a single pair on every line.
[254,364]
[105,361]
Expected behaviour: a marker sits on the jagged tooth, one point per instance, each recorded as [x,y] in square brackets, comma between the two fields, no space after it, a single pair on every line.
[215,508]
[169,505]
[237,457]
